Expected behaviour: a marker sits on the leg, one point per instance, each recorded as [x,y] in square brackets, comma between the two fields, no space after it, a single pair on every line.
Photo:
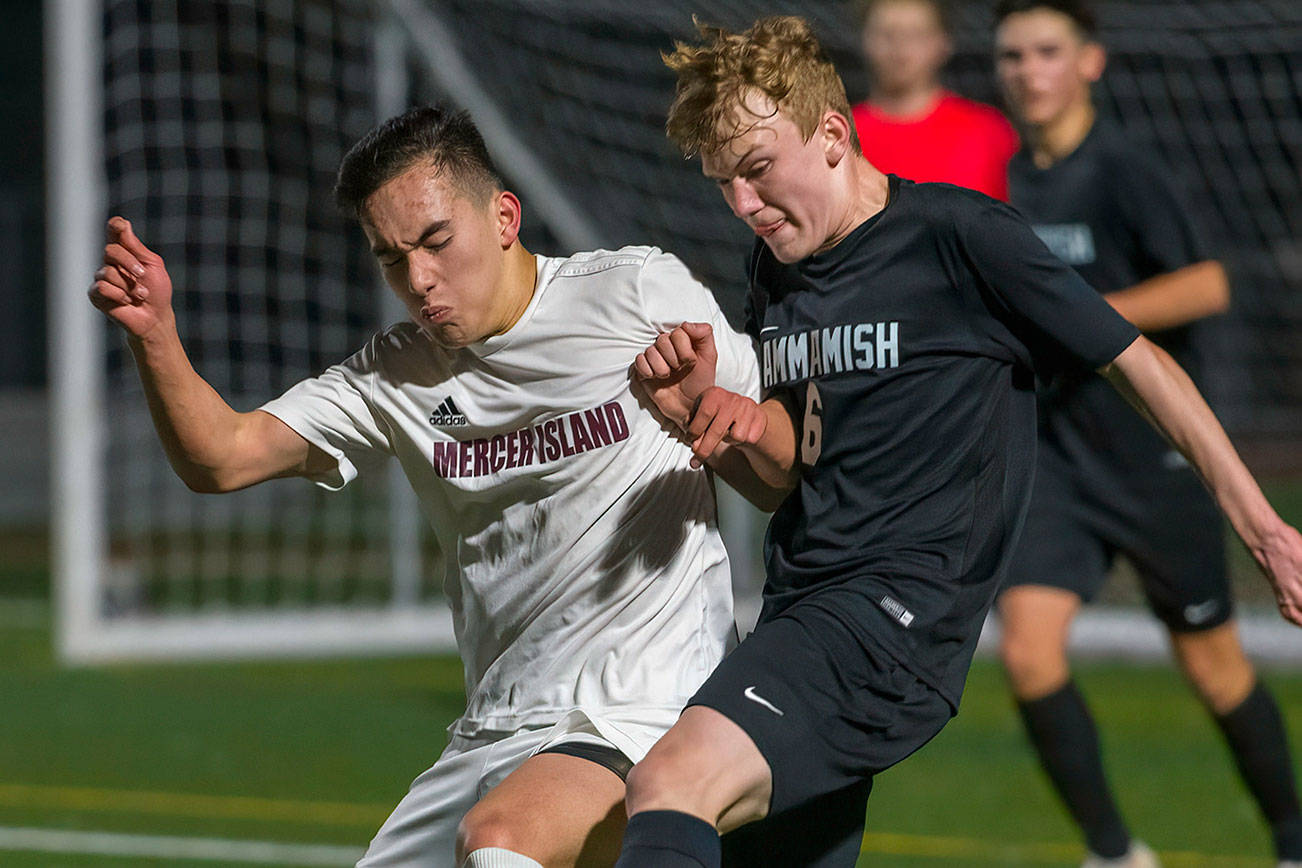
[706,766]
[1035,620]
[1214,662]
[555,809]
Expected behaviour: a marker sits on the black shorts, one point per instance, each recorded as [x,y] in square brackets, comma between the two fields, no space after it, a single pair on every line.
[827,712]
[1166,525]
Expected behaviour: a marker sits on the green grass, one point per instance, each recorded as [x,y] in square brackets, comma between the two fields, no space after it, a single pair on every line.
[319,752]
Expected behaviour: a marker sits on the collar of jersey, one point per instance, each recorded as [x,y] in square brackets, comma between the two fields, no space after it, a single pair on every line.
[820,264]
[547,266]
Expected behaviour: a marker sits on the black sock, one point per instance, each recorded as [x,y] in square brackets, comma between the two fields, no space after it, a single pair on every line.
[669,839]
[1063,733]
[1255,734]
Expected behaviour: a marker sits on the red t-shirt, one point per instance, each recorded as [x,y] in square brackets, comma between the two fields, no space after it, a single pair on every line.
[959,142]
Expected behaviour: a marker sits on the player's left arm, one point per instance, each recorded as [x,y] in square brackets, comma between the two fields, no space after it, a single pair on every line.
[1153,381]
[1175,298]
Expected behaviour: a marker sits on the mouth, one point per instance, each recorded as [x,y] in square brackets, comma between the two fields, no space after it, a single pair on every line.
[764,230]
[436,314]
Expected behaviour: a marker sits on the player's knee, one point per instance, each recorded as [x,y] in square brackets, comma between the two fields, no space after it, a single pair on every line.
[484,826]
[1034,665]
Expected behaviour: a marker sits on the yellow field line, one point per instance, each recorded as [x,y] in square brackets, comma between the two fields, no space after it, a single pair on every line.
[371,815]
[940,847]
[192,805]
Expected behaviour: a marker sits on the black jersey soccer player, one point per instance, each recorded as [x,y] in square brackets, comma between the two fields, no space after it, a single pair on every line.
[900,325]
[1105,481]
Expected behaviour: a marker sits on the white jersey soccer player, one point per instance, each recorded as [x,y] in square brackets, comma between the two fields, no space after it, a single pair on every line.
[587,579]
[588,582]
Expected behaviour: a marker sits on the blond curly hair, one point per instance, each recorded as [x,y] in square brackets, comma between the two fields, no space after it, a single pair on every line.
[777,56]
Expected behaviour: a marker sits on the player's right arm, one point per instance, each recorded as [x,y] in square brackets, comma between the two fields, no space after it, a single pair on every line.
[1175,298]
[211,447]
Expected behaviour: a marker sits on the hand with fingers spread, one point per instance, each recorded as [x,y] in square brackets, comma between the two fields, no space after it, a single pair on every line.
[677,369]
[132,286]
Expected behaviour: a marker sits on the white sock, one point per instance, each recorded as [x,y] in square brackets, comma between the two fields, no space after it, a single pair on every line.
[496,857]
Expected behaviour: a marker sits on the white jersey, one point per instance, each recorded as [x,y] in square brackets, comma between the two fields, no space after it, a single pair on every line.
[582,561]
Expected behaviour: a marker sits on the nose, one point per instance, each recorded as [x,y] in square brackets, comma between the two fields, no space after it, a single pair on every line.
[742,198]
[421,276]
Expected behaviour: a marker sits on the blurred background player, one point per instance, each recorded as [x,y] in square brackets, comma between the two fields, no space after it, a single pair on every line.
[587,580]
[1106,483]
[910,124]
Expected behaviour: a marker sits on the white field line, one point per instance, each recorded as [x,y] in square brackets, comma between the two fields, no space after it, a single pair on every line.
[170,847]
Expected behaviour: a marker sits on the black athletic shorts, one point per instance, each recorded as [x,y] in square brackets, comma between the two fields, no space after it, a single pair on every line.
[827,712]
[1166,525]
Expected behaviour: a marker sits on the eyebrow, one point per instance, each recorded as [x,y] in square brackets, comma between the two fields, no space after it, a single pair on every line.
[432,229]
[741,161]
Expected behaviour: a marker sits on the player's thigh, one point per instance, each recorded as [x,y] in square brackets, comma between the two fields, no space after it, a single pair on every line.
[705,765]
[557,809]
[1177,545]
[422,828]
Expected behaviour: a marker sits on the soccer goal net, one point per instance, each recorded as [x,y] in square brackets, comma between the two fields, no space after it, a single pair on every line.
[217,127]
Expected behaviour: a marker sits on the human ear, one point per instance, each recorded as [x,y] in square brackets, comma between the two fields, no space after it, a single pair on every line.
[1093,60]
[835,130]
[509,211]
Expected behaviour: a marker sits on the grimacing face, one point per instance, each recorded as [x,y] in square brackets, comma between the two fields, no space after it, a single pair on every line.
[775,182]
[443,253]
[1044,65]
[904,44]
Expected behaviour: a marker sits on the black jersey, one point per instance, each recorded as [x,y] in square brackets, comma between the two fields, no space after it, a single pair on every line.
[908,353]
[1110,212]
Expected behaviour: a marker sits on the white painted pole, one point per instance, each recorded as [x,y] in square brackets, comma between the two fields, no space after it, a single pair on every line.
[74,211]
[392,88]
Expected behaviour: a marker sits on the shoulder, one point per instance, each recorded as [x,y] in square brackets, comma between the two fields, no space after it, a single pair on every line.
[946,204]
[626,260]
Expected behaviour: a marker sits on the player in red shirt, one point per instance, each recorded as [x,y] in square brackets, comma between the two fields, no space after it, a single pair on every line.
[912,126]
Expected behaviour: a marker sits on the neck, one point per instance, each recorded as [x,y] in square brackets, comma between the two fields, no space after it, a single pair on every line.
[863,196]
[519,280]
[906,102]
[1058,138]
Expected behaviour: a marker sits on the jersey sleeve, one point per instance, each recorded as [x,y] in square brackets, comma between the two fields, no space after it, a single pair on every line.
[1159,217]
[1064,323]
[671,296]
[334,413]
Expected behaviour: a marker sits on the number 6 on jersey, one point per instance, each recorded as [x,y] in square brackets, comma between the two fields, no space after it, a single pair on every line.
[811,441]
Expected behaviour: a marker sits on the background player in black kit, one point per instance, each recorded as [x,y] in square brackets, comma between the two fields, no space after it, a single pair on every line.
[1106,482]
[900,325]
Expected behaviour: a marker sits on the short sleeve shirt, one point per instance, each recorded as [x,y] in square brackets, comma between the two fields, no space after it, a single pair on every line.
[957,141]
[907,352]
[1112,213]
[581,557]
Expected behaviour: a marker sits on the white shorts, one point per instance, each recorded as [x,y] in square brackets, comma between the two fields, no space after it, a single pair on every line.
[422,830]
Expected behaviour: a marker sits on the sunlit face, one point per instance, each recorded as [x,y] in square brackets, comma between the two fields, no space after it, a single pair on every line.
[443,253]
[778,184]
[1044,65]
[904,44]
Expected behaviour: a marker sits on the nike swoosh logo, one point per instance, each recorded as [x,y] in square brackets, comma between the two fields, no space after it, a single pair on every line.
[1201,612]
[750,694]
[769,329]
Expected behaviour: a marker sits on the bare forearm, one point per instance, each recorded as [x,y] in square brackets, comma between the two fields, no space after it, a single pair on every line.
[1157,385]
[199,431]
[1174,299]
[771,459]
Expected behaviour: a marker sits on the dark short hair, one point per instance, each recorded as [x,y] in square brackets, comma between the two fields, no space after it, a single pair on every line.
[944,12]
[1080,12]
[438,135]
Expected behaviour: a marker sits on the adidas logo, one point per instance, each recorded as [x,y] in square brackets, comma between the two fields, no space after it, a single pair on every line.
[447,414]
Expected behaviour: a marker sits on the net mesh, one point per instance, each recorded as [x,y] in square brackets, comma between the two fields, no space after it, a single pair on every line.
[225,123]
